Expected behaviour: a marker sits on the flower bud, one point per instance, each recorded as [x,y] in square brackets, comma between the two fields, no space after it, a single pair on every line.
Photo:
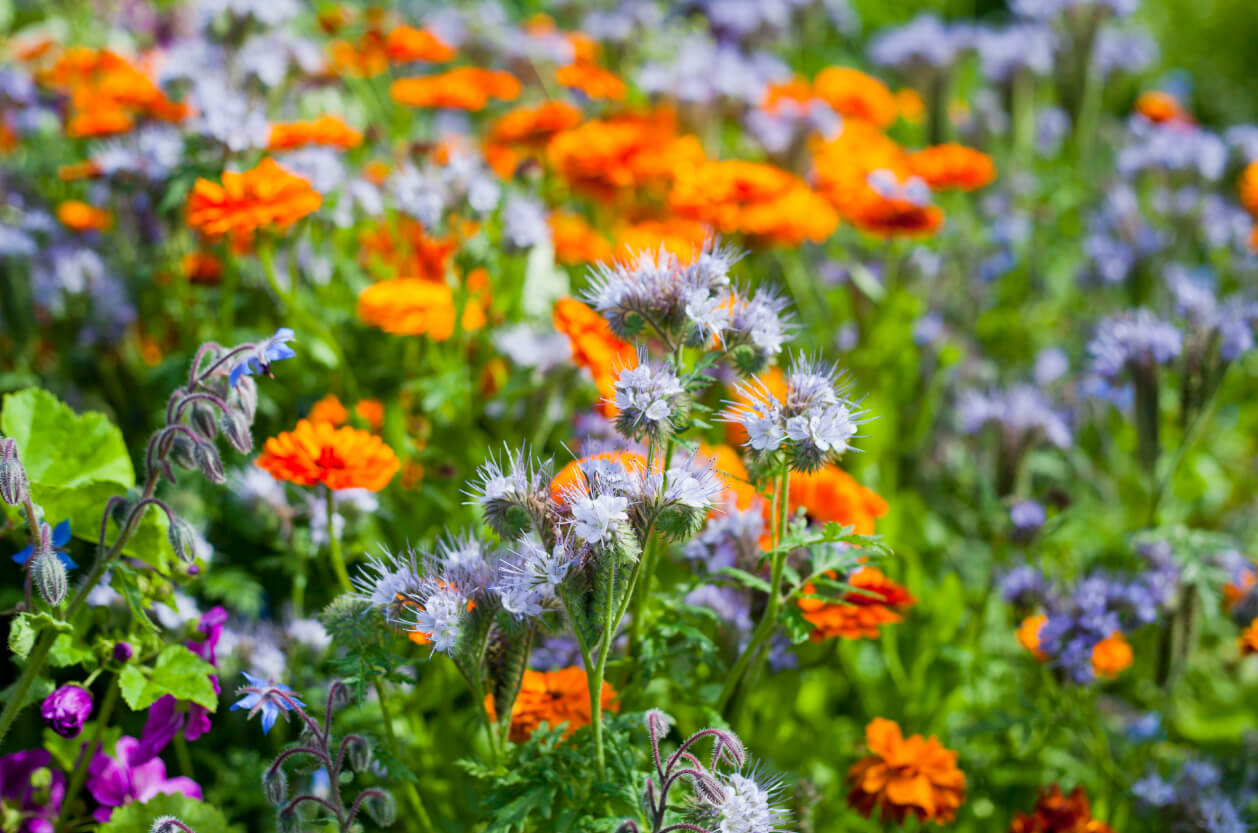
[204,419]
[183,539]
[169,824]
[121,508]
[183,452]
[67,709]
[380,806]
[359,753]
[275,785]
[245,396]
[340,696]
[287,820]
[48,575]
[236,429]
[123,652]
[13,482]
[210,463]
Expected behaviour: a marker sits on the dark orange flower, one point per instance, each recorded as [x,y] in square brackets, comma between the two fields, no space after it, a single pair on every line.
[855,95]
[366,58]
[533,125]
[1058,813]
[593,80]
[831,494]
[405,248]
[414,306]
[1249,639]
[952,166]
[594,346]
[752,198]
[330,410]
[327,130]
[263,197]
[201,268]
[1029,635]
[406,44]
[1248,188]
[576,241]
[104,119]
[79,216]
[908,102]
[463,88]
[1159,107]
[871,604]
[554,697]
[905,777]
[339,458]
[107,92]
[605,157]
[1111,655]
[370,411]
[795,91]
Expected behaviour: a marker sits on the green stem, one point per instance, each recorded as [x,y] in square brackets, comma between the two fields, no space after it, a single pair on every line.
[79,776]
[395,749]
[334,547]
[594,679]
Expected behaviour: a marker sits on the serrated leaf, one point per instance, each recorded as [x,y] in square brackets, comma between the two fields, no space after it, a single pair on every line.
[177,671]
[67,651]
[21,635]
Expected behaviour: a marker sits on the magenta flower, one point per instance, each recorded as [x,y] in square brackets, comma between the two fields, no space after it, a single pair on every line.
[37,804]
[67,709]
[118,781]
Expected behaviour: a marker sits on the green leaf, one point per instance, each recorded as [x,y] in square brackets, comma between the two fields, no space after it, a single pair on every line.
[745,578]
[67,651]
[21,635]
[139,818]
[177,671]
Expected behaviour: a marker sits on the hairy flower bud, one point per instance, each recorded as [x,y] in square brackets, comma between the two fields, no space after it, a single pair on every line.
[380,806]
[169,824]
[183,452]
[182,539]
[340,696]
[287,820]
[204,419]
[245,396]
[236,429]
[275,785]
[121,508]
[48,575]
[210,463]
[13,482]
[359,753]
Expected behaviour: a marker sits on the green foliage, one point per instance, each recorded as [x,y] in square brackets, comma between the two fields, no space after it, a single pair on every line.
[139,818]
[176,671]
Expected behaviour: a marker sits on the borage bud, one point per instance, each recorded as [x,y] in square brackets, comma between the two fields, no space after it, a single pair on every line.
[235,428]
[182,452]
[359,753]
[183,539]
[210,463]
[380,806]
[121,508]
[245,397]
[13,482]
[287,820]
[275,785]
[48,575]
[169,824]
[340,696]
[204,419]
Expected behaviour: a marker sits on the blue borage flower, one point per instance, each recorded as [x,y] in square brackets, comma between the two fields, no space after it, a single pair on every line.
[57,540]
[271,699]
[259,358]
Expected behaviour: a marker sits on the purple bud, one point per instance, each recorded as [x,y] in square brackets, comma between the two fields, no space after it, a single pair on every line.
[183,452]
[210,463]
[204,420]
[122,652]
[236,429]
[193,569]
[13,482]
[67,709]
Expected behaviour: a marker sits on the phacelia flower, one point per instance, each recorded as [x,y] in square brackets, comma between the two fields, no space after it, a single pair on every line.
[904,777]
[339,458]
[270,699]
[744,802]
[1135,339]
[67,709]
[650,400]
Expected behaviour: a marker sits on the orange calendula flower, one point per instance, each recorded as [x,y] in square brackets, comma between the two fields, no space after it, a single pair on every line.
[680,237]
[1248,188]
[752,198]
[831,494]
[603,157]
[594,346]
[1056,812]
[593,80]
[339,458]
[328,409]
[463,88]
[413,306]
[904,777]
[201,268]
[1029,635]
[874,602]
[1248,640]
[263,197]
[107,92]
[533,125]
[370,411]
[1161,107]
[1111,655]
[406,43]
[856,95]
[327,130]
[952,166]
[79,216]
[576,241]
[553,697]
[405,248]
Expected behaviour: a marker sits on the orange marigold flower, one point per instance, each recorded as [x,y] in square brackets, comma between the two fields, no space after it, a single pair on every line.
[367,58]
[795,91]
[405,248]
[594,346]
[871,604]
[79,216]
[1056,812]
[414,306]
[1111,655]
[1160,107]
[908,102]
[406,44]
[752,198]
[1249,639]
[953,166]
[327,130]
[1248,188]
[266,196]
[679,236]
[530,125]
[904,777]
[855,95]
[554,697]
[603,157]
[104,119]
[330,410]
[831,494]
[339,458]
[463,88]
[569,477]
[576,241]
[1029,635]
[370,411]
[201,268]
[593,80]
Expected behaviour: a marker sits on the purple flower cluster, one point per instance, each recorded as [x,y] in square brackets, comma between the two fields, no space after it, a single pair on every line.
[1193,799]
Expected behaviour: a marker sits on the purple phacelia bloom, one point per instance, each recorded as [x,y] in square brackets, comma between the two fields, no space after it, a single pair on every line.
[67,709]
[925,43]
[1135,338]
[1027,515]
[1022,412]
[259,359]
[730,539]
[1024,586]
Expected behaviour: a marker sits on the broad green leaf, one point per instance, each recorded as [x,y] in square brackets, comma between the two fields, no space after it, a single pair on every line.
[67,650]
[139,818]
[177,671]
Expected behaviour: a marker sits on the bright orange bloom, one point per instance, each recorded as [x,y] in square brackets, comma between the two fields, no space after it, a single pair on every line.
[554,697]
[831,494]
[330,410]
[532,125]
[201,268]
[339,458]
[267,196]
[370,411]
[952,166]
[594,346]
[463,88]
[1249,639]
[107,92]
[795,91]
[327,130]
[576,241]
[406,249]
[406,44]
[100,120]
[376,172]
[1058,813]
[569,477]
[603,157]
[910,105]
[855,95]
[872,604]
[79,216]
[593,80]
[366,58]
[1249,188]
[904,777]
[1159,107]
[1029,635]
[752,198]
[414,306]
[1111,655]
[680,237]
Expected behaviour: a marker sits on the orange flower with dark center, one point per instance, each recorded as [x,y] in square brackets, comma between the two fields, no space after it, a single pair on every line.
[1248,640]
[1029,635]
[1056,812]
[264,197]
[79,216]
[1248,188]
[406,43]
[752,198]
[327,130]
[594,346]
[831,494]
[534,125]
[1111,655]
[593,80]
[855,95]
[952,166]
[570,477]
[463,88]
[873,602]
[553,697]
[339,458]
[413,306]
[576,241]
[1160,108]
[904,777]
